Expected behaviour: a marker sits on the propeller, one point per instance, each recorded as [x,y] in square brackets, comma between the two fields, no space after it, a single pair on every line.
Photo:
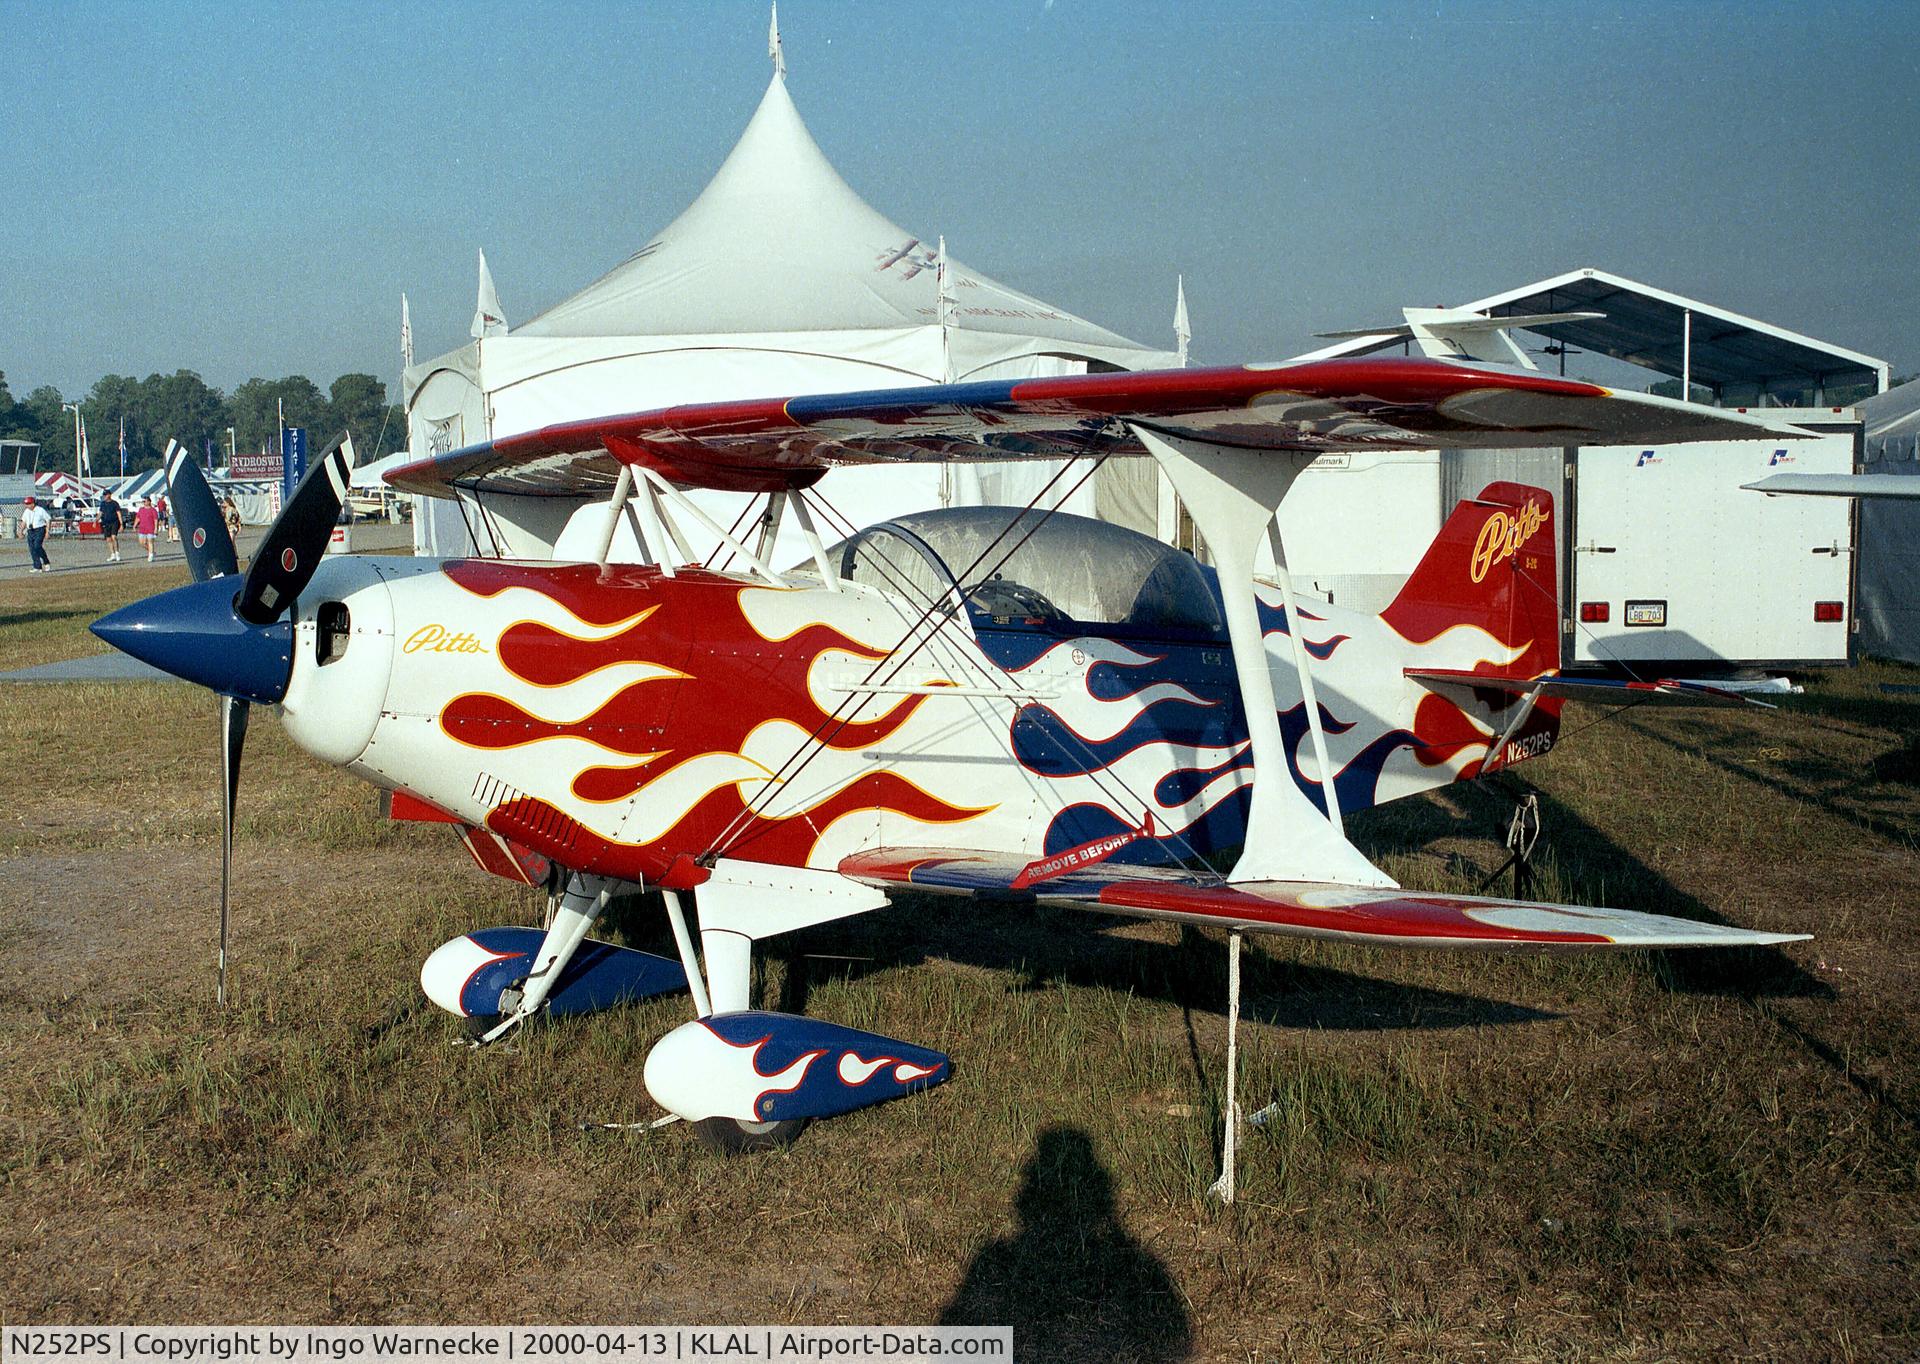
[287,558]
[233,643]
[209,547]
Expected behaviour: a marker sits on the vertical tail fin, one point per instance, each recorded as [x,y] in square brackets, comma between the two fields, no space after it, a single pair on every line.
[1494,567]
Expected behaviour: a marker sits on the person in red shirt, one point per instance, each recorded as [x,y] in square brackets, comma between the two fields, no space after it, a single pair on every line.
[146,519]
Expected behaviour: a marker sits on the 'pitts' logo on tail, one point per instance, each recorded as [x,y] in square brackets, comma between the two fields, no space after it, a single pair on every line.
[1502,535]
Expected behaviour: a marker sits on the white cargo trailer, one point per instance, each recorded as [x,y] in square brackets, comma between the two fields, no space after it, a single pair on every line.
[1668,560]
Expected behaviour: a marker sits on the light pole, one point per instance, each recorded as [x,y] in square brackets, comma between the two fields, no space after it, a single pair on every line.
[75,409]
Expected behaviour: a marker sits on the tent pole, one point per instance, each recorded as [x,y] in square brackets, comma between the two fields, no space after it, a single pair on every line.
[1686,356]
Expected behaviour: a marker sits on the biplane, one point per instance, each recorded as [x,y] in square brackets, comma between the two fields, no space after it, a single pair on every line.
[997,702]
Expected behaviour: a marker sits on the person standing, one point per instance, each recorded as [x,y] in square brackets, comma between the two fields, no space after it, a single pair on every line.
[36,519]
[110,526]
[146,520]
[70,510]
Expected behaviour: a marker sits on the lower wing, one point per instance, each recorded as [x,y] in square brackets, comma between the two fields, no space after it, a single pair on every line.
[1307,909]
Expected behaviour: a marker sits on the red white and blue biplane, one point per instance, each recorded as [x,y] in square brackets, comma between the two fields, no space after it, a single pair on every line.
[975,701]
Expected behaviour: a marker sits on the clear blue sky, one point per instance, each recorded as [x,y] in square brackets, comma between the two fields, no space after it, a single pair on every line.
[246,189]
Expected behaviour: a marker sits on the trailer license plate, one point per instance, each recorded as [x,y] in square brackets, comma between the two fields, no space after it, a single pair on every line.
[1646,613]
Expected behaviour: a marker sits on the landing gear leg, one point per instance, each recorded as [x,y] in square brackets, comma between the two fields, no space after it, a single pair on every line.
[696,983]
[583,901]
[740,904]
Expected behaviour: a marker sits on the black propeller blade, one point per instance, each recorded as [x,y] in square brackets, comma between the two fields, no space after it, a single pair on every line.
[202,528]
[233,737]
[288,557]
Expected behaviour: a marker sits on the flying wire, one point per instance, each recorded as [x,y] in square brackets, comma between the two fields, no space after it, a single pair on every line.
[848,711]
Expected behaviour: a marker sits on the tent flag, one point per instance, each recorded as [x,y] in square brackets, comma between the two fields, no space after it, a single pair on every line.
[123,445]
[773,43]
[1182,329]
[406,332]
[488,320]
[86,459]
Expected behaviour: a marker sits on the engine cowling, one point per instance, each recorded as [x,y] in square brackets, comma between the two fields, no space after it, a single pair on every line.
[466,975]
[760,1067]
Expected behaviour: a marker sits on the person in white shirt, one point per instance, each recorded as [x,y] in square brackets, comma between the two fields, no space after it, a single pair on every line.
[36,518]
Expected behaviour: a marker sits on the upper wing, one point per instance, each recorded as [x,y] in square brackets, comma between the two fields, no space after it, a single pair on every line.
[1298,908]
[1324,405]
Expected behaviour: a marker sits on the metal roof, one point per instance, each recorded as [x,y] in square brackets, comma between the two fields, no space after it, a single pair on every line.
[1650,327]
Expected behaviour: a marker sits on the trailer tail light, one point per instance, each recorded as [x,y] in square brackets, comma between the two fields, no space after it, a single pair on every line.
[1829,610]
[1595,612]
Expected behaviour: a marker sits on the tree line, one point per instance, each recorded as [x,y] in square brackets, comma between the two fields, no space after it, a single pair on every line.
[182,406]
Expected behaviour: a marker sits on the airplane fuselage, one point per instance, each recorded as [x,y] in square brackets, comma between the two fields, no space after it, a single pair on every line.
[621,721]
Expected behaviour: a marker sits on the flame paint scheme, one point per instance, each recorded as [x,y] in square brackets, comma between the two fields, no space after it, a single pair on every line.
[764,1067]
[618,722]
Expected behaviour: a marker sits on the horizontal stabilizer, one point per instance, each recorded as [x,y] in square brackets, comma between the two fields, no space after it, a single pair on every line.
[1460,334]
[1463,321]
[1604,690]
[1309,909]
[1838,485]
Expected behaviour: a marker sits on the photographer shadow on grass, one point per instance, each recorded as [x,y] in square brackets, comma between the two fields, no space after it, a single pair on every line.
[1070,1280]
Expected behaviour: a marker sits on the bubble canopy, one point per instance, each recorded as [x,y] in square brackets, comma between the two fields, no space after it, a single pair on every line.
[1034,569]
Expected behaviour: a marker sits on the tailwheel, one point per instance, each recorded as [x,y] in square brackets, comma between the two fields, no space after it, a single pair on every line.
[731,1137]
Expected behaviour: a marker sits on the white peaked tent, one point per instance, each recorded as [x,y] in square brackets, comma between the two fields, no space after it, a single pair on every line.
[777,280]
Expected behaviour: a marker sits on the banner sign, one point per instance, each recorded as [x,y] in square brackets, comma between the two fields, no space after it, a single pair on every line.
[255,466]
[293,458]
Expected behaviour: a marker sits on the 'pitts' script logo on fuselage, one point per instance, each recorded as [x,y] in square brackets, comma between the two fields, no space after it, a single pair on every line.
[1502,535]
[437,639]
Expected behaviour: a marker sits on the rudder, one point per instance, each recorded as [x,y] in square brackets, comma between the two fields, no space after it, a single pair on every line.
[1494,566]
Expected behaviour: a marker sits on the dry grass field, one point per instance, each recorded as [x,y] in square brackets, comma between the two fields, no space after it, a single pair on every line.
[1666,1156]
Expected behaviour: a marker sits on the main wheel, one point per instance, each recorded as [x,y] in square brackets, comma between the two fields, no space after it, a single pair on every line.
[731,1137]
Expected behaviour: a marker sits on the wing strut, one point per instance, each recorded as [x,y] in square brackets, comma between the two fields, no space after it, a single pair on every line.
[1304,666]
[1496,759]
[622,490]
[804,515]
[680,504]
[1232,495]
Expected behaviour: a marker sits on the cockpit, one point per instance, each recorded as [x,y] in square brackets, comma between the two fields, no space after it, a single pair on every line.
[1028,569]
